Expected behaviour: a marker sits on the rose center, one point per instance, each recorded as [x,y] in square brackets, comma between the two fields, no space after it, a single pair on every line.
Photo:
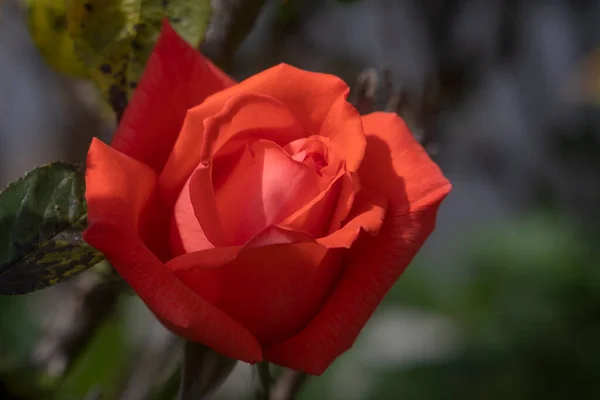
[311,151]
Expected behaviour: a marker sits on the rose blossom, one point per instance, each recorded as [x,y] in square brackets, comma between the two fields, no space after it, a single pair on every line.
[265,219]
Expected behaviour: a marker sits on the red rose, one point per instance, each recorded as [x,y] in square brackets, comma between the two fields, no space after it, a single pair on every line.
[265,219]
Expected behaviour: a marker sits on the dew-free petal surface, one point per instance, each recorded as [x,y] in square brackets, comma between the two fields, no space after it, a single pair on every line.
[265,187]
[367,215]
[272,290]
[315,100]
[398,168]
[220,141]
[176,78]
[325,209]
[117,190]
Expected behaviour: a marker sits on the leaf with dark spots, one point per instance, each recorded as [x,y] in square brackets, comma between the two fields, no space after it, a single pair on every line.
[52,262]
[41,219]
[119,35]
[106,69]
[47,21]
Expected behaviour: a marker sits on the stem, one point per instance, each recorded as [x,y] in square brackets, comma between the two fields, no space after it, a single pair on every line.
[203,371]
[264,374]
[288,385]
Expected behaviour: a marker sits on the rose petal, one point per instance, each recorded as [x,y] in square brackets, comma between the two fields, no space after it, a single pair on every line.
[242,120]
[117,190]
[185,233]
[219,256]
[272,290]
[277,235]
[177,77]
[318,101]
[243,117]
[350,185]
[266,186]
[314,150]
[367,215]
[324,210]
[397,167]
[343,126]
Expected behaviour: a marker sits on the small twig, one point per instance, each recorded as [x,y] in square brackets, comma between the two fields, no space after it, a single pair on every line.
[365,90]
[203,371]
[430,108]
[397,99]
[419,112]
[288,385]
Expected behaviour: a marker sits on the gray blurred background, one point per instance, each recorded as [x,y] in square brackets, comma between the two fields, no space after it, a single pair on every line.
[504,299]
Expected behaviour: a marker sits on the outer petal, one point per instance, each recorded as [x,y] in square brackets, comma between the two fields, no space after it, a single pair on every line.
[317,100]
[177,77]
[117,190]
[343,125]
[396,166]
[273,289]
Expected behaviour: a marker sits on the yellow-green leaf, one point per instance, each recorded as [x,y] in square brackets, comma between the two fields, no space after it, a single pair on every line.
[47,20]
[114,38]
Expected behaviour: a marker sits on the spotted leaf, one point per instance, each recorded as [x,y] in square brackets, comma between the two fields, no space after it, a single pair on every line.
[114,38]
[42,216]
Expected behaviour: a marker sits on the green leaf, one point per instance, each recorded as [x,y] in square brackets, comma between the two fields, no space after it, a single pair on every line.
[41,219]
[114,38]
[204,370]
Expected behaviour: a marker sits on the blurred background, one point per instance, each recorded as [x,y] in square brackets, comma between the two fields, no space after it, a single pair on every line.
[503,302]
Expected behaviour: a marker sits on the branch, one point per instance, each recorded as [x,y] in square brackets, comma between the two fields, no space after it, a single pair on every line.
[365,90]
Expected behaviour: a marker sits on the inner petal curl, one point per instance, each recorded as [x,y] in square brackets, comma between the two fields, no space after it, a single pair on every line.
[263,188]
